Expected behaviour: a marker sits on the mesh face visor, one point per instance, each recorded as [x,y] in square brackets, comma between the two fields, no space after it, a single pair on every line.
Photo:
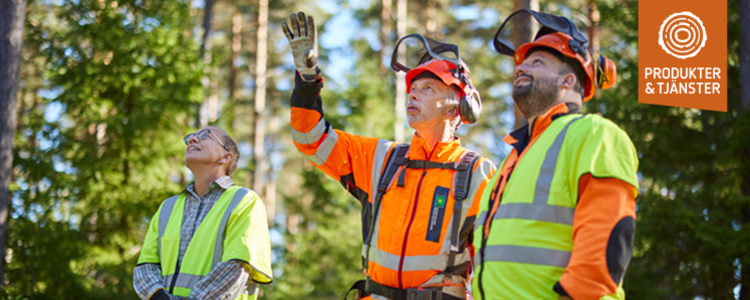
[414,49]
[549,24]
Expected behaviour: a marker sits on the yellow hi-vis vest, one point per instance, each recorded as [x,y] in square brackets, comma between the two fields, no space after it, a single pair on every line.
[234,229]
[531,236]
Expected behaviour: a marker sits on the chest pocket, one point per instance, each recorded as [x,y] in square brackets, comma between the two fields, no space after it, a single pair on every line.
[437,214]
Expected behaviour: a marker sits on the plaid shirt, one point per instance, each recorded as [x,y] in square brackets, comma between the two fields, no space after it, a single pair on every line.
[226,281]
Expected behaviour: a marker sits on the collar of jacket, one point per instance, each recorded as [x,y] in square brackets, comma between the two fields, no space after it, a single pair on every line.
[520,137]
[443,151]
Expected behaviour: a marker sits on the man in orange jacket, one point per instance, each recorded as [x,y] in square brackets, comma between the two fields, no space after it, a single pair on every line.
[557,220]
[419,201]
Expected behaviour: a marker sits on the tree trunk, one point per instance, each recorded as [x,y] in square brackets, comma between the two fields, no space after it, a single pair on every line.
[273,129]
[12,15]
[385,34]
[523,31]
[400,76]
[235,52]
[261,60]
[202,116]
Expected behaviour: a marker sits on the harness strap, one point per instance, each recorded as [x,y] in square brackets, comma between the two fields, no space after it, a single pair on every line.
[463,180]
[368,286]
[426,164]
[397,156]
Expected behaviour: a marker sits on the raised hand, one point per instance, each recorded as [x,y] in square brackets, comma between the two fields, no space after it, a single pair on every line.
[303,39]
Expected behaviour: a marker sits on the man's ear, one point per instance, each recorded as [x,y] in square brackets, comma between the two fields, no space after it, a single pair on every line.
[568,81]
[452,113]
[227,158]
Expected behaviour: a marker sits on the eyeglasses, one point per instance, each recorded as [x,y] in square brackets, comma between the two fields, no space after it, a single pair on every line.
[203,135]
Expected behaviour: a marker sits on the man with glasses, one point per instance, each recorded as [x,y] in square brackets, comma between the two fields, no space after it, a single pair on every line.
[211,240]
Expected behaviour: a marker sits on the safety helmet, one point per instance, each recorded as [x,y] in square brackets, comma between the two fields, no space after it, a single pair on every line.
[444,70]
[443,61]
[561,35]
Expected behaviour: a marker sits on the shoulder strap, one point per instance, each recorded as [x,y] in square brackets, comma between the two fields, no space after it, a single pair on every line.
[460,191]
[396,158]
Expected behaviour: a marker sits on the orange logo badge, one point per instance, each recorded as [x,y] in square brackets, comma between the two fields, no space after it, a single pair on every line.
[682,54]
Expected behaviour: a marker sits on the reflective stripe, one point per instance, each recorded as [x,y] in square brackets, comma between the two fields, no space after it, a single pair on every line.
[252,289]
[379,161]
[537,212]
[415,262]
[326,147]
[544,181]
[166,212]
[219,246]
[477,176]
[188,281]
[480,219]
[418,262]
[311,136]
[527,255]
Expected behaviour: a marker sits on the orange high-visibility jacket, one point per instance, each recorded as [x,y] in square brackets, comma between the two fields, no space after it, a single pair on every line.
[410,242]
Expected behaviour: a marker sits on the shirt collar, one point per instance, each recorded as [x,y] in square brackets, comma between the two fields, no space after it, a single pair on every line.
[223,182]
[520,138]
[443,151]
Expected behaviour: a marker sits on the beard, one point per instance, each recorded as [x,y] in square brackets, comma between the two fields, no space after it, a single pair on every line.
[534,98]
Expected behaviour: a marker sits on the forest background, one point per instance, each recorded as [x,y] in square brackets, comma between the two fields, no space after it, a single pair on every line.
[108,88]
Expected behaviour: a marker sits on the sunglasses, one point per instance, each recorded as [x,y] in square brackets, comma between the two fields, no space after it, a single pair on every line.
[203,135]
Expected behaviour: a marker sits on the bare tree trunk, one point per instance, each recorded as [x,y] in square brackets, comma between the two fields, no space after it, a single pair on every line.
[207,17]
[273,129]
[12,15]
[234,55]
[400,76]
[385,33]
[523,31]
[261,59]
[202,116]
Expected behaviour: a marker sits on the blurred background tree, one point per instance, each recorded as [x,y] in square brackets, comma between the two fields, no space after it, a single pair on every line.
[108,88]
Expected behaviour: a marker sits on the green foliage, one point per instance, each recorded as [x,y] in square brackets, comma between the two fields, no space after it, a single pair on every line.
[96,165]
[692,216]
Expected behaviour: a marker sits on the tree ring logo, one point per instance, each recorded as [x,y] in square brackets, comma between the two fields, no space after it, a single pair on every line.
[682,35]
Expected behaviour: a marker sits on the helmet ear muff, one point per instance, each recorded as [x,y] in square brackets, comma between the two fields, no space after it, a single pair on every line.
[606,73]
[470,107]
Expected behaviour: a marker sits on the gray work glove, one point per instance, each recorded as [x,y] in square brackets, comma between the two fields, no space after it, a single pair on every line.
[303,39]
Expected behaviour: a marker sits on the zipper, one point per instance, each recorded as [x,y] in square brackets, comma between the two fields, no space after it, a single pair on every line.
[411,220]
[406,236]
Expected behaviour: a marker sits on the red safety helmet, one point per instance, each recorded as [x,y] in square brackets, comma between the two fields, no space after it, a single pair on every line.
[444,70]
[561,35]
